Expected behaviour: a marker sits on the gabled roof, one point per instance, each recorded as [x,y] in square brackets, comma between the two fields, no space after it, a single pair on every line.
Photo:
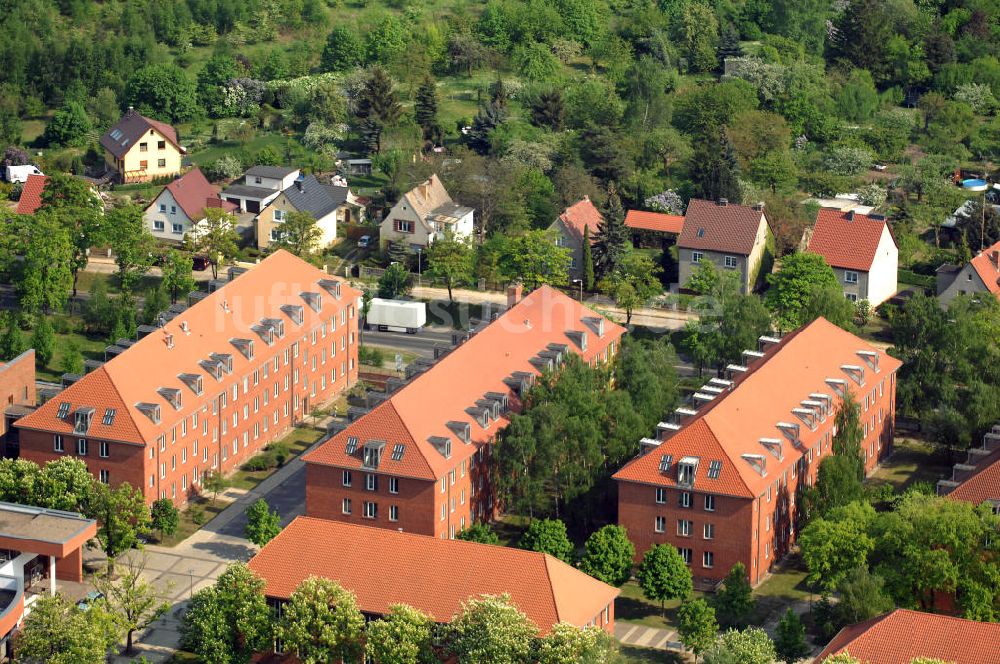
[723,227]
[902,635]
[983,486]
[384,567]
[423,408]
[987,266]
[178,347]
[130,128]
[427,196]
[580,215]
[733,424]
[654,221]
[31,194]
[274,172]
[307,195]
[193,193]
[847,240]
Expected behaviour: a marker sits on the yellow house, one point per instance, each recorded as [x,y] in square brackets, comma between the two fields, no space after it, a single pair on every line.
[140,149]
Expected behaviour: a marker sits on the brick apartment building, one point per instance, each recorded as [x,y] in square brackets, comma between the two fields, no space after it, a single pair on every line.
[17,394]
[211,386]
[720,480]
[433,576]
[417,461]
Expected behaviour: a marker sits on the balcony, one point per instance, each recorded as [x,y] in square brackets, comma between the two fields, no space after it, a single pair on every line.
[11,604]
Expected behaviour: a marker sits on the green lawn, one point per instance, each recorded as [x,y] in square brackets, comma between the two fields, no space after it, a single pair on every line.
[92,348]
[255,144]
[912,461]
[298,440]
[208,510]
[633,607]
[786,584]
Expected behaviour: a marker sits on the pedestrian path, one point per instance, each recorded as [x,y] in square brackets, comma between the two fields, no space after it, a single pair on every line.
[630,634]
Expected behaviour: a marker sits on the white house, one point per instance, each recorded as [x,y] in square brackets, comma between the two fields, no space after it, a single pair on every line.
[180,206]
[424,213]
[328,204]
[261,185]
[861,250]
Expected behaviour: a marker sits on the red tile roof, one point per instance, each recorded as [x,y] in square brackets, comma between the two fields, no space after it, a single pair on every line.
[983,485]
[385,567]
[729,228]
[463,376]
[31,194]
[986,264]
[578,216]
[847,240]
[654,221]
[136,374]
[733,424]
[900,636]
[193,193]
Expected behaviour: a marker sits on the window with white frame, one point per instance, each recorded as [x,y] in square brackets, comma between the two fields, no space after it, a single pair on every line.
[393,485]
[696,256]
[708,560]
[685,499]
[850,277]
[730,262]
[346,506]
[393,513]
[660,524]
[684,527]
[57,443]
[708,532]
[709,503]
[371,510]
[103,449]
[661,495]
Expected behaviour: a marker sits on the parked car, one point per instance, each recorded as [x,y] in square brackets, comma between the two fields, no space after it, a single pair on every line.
[364,241]
[88,601]
[199,263]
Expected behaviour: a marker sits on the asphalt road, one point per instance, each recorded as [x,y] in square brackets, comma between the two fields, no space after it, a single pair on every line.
[422,343]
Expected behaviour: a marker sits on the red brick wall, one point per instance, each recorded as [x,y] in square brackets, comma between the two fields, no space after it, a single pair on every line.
[174,467]
[17,385]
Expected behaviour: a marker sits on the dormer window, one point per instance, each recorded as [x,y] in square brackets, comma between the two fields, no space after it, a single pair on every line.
[81,419]
[150,410]
[687,467]
[277,324]
[791,431]
[331,286]
[870,358]
[773,445]
[314,300]
[294,312]
[265,332]
[372,453]
[442,445]
[856,373]
[501,400]
[244,346]
[462,430]
[172,395]
[213,367]
[193,381]
[225,361]
[839,386]
[758,461]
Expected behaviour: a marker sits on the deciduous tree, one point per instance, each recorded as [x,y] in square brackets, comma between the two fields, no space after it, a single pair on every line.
[548,536]
[450,259]
[321,623]
[751,646]
[609,554]
[790,638]
[132,243]
[178,278]
[734,600]
[791,287]
[164,517]
[43,340]
[122,514]
[216,237]
[569,644]
[664,575]
[263,525]
[46,276]
[133,603]
[491,629]
[696,625]
[299,234]
[404,636]
[478,532]
[56,632]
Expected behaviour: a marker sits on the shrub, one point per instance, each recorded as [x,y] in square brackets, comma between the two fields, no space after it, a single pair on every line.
[197,514]
[259,462]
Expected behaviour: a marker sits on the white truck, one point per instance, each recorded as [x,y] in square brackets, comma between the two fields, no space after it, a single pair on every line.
[396,315]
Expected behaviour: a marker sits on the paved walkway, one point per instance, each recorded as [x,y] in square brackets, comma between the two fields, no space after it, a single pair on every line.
[630,634]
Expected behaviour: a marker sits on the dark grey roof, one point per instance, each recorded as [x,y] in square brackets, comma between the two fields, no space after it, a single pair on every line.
[122,136]
[277,172]
[451,211]
[308,195]
[246,191]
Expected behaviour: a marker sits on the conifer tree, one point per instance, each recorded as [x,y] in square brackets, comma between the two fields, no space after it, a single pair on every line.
[378,108]
[611,241]
[426,108]
[588,261]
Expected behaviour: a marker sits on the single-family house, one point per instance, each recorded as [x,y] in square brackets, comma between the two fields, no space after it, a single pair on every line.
[180,206]
[31,194]
[329,204]
[980,275]
[569,227]
[425,213]
[653,229]
[861,250]
[140,149]
[260,186]
[734,237]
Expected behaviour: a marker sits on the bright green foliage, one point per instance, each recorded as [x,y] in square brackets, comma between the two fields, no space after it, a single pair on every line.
[751,646]
[178,279]
[72,358]
[830,303]
[800,276]
[634,283]
[790,638]
[299,234]
[216,238]
[533,258]
[122,514]
[862,596]
[131,601]
[263,525]
[548,536]
[56,632]
[831,549]
[609,554]
[491,629]
[569,644]
[43,340]
[478,532]
[62,484]
[696,625]
[343,49]
[162,91]
[164,517]
[46,275]
[69,126]
[394,282]
[449,259]
[229,622]
[133,245]
[404,636]
[734,601]
[322,623]
[12,342]
[664,575]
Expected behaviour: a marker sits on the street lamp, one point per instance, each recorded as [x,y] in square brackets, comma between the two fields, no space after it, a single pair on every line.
[580,282]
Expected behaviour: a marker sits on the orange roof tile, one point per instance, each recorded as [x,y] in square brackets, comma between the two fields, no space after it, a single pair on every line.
[31,194]
[986,264]
[847,240]
[729,228]
[900,636]
[983,486]
[422,408]
[193,192]
[733,424]
[136,374]
[385,567]
[578,216]
[655,221]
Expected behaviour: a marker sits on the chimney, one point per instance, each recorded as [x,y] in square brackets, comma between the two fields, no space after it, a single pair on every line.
[759,206]
[995,259]
[722,202]
[423,190]
[514,294]
[850,215]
